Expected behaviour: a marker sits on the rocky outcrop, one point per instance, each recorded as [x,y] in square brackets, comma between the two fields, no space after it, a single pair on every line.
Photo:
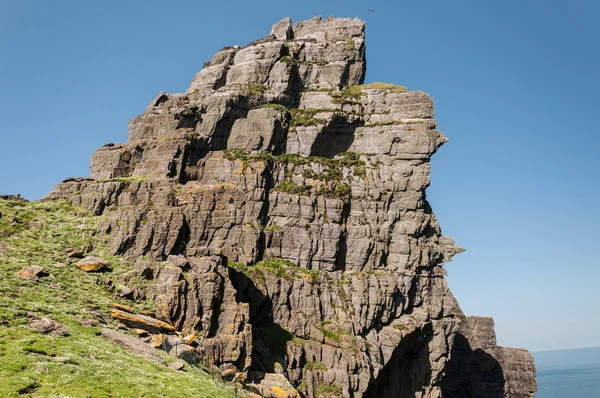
[277,211]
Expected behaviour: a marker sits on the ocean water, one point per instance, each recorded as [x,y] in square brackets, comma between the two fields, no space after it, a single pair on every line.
[568,373]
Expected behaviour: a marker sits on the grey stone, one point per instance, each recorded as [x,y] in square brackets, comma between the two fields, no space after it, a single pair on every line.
[46,326]
[282,30]
[177,365]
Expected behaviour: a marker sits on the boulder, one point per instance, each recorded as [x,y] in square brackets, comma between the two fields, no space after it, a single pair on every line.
[92,264]
[133,344]
[177,365]
[31,272]
[46,326]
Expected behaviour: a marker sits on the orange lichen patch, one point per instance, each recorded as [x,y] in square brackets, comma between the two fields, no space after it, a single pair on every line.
[280,392]
[91,264]
[30,272]
[228,372]
[125,308]
[26,274]
[157,340]
[189,339]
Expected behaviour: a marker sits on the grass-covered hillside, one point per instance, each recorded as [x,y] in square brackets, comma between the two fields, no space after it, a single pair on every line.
[82,363]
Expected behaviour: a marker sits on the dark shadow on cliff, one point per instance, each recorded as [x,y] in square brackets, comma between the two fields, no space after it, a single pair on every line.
[268,339]
[408,371]
[336,137]
[472,373]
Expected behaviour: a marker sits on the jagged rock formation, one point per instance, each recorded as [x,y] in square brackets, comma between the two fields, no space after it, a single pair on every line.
[277,209]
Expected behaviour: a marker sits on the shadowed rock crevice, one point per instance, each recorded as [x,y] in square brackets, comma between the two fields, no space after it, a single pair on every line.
[336,137]
[183,238]
[268,339]
[408,372]
[222,130]
[472,373]
[342,250]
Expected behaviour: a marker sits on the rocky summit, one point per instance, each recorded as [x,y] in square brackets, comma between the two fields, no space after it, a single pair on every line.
[275,216]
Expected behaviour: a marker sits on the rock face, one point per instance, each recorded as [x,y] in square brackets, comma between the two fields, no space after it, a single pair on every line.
[277,211]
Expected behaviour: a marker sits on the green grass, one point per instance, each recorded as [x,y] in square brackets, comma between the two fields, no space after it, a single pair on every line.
[331,334]
[82,364]
[87,365]
[277,266]
[350,44]
[254,89]
[393,88]
[289,60]
[306,117]
[273,227]
[340,190]
[318,63]
[400,327]
[309,365]
[291,187]
[348,95]
[352,95]
[390,122]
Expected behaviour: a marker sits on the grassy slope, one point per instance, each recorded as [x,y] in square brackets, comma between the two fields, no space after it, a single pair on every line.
[82,364]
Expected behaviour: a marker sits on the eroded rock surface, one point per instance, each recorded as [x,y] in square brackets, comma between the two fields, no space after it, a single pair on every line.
[277,212]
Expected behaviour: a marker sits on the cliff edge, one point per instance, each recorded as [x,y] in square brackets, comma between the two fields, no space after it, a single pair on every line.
[277,212]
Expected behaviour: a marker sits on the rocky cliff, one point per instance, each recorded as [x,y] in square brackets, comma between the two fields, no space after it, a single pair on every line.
[277,211]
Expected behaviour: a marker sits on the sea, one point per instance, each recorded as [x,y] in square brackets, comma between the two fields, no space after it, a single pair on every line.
[568,373]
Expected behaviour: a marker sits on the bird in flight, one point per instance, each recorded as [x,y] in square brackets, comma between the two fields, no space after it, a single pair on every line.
[370,10]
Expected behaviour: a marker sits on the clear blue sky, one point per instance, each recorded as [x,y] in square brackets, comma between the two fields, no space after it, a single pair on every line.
[516,87]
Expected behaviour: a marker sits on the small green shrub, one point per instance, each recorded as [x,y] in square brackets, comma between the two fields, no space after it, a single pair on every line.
[289,60]
[386,123]
[273,227]
[291,187]
[401,327]
[256,90]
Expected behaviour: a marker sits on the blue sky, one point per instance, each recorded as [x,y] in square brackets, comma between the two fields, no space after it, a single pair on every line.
[515,85]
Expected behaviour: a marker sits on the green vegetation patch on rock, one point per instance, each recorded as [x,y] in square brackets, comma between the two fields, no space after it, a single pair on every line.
[279,267]
[292,62]
[352,95]
[393,88]
[330,171]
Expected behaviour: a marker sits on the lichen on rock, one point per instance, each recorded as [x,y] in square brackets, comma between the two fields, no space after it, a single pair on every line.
[277,212]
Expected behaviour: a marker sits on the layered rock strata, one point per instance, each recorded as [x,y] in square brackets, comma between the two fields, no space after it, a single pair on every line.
[277,210]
